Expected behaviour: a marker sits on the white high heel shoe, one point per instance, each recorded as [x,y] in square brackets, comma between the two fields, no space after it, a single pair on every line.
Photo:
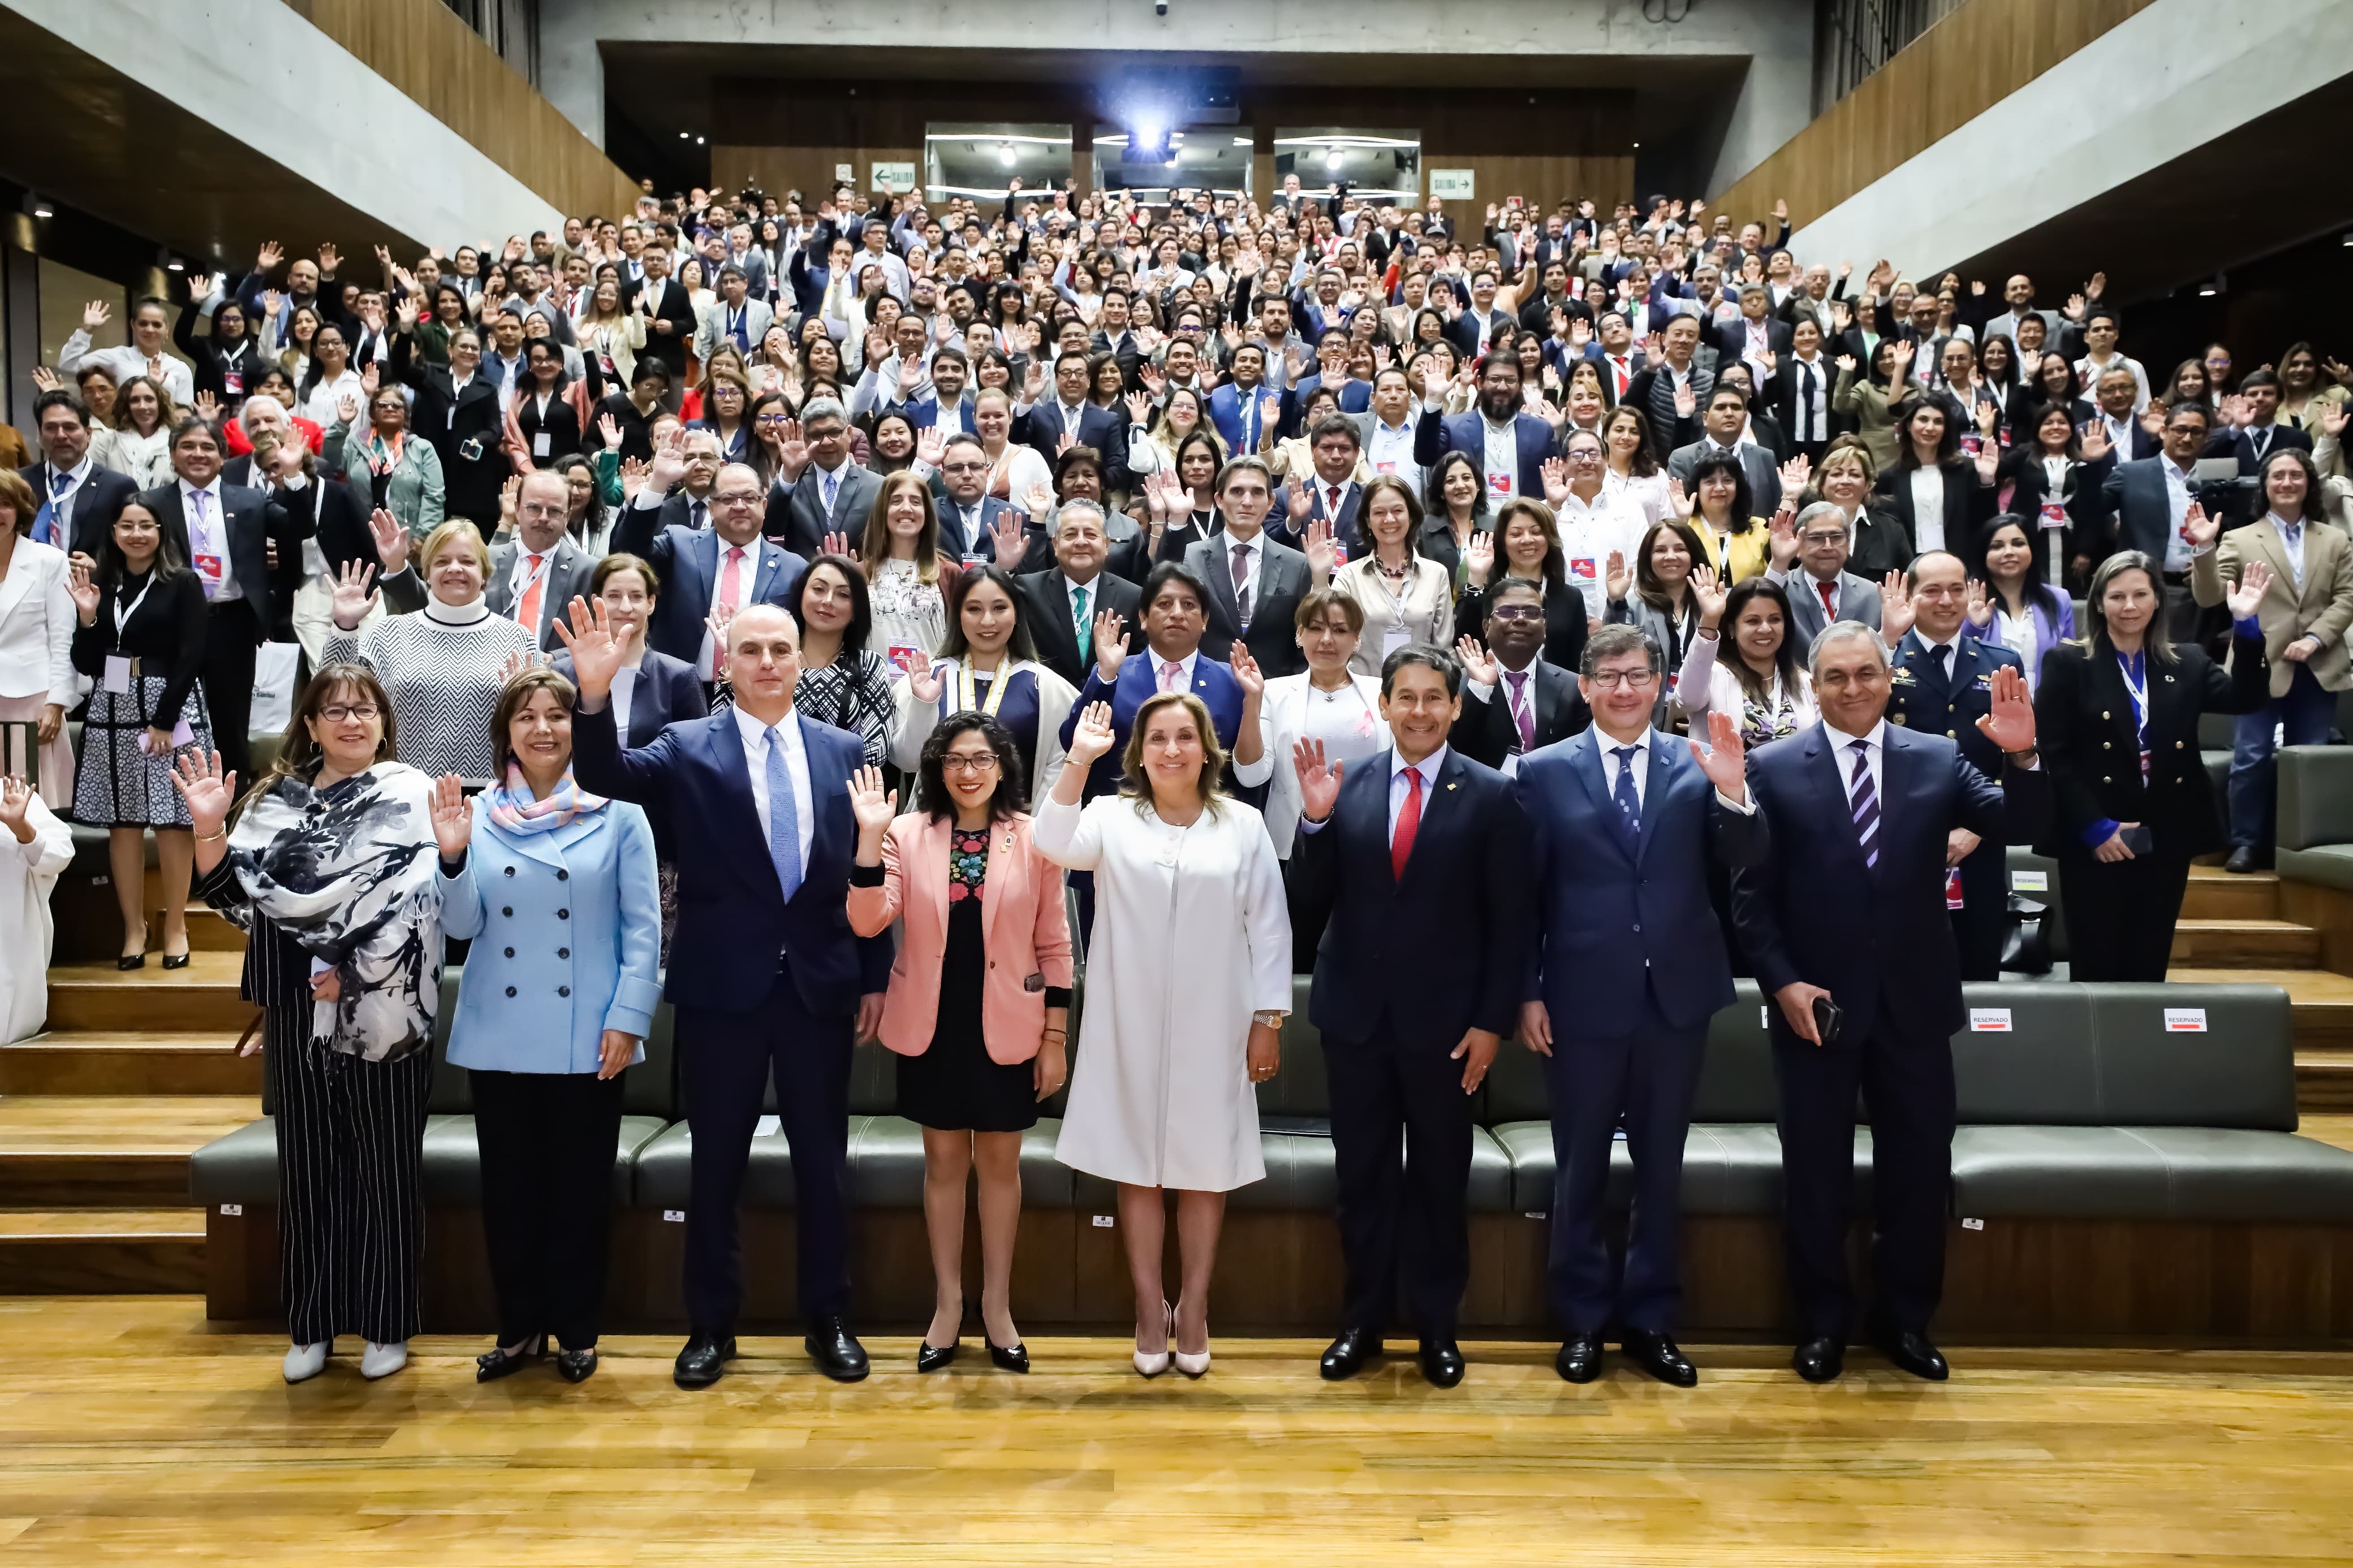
[383,1361]
[1190,1365]
[304,1363]
[1154,1364]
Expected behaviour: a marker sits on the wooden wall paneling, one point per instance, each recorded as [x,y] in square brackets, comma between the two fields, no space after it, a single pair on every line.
[422,48]
[1964,65]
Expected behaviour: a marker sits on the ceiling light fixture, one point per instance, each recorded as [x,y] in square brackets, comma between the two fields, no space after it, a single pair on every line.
[1332,157]
[1004,153]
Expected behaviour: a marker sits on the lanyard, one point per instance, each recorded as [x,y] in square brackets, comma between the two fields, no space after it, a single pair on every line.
[123,611]
[967,701]
[2137,690]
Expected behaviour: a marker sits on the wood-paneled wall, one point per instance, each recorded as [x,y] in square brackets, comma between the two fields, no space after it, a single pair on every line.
[422,48]
[1949,75]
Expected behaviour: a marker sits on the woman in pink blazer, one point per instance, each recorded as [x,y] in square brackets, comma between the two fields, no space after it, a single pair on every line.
[977,1002]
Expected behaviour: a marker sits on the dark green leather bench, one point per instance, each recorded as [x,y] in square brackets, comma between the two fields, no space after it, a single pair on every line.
[2315,815]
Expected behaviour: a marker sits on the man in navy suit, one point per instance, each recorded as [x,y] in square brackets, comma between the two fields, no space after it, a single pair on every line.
[1499,410]
[2150,501]
[1418,839]
[948,369]
[1940,682]
[765,975]
[1630,967]
[728,565]
[1070,411]
[79,497]
[1845,921]
[1242,408]
[968,513]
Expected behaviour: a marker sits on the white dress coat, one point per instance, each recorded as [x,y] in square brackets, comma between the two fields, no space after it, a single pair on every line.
[1191,937]
[28,873]
[1288,713]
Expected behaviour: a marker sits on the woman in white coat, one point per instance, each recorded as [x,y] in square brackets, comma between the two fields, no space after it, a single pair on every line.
[35,847]
[37,627]
[1189,980]
[1328,702]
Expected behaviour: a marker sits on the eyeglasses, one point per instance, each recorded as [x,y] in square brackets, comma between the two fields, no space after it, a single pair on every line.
[953,763]
[1816,536]
[336,712]
[964,468]
[1516,612]
[1620,679]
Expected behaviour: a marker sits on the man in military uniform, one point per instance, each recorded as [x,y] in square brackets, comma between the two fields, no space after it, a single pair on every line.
[1940,683]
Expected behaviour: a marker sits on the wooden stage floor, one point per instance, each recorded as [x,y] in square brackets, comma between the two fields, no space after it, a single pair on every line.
[130,1432]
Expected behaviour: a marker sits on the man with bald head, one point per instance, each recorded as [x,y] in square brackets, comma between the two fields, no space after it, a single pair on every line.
[764,976]
[728,563]
[534,574]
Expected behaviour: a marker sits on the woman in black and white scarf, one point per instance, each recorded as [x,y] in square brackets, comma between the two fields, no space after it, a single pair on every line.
[330,869]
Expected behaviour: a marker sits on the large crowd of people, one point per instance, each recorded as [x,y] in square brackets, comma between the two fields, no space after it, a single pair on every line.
[774,602]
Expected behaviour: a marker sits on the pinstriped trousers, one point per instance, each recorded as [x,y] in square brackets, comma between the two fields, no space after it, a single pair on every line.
[351,1212]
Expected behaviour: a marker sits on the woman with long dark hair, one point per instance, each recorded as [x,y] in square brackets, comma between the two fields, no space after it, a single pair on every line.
[1939,497]
[978,1001]
[1454,510]
[2015,606]
[987,664]
[1526,544]
[1657,591]
[1760,676]
[842,683]
[2051,477]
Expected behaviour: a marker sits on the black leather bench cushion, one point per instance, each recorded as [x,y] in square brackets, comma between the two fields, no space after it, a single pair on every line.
[2150,1173]
[1729,1167]
[240,1167]
[886,1167]
[453,1158]
[1301,1173]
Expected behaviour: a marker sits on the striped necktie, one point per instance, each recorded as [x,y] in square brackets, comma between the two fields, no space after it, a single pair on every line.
[1865,802]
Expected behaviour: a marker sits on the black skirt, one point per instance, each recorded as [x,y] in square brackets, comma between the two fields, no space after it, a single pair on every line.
[955,1086]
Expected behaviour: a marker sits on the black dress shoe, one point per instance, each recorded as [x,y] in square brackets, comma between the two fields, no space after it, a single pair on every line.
[1820,1360]
[1581,1358]
[576,1366]
[1009,1358]
[1657,1354]
[836,1349]
[1441,1363]
[703,1360]
[494,1364]
[132,961]
[2242,860]
[1914,1354]
[1346,1356]
[930,1357]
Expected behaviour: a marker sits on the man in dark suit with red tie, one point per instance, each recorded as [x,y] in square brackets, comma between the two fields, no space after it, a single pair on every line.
[1417,839]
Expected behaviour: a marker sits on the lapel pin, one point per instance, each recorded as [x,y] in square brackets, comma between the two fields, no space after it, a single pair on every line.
[1454,786]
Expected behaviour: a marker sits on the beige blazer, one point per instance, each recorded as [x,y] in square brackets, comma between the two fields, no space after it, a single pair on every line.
[2323,607]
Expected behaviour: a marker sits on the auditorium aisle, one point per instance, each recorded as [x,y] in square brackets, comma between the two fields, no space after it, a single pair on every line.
[2233,930]
[98,1115]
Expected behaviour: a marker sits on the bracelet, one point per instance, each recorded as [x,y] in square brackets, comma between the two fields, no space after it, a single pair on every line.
[212,837]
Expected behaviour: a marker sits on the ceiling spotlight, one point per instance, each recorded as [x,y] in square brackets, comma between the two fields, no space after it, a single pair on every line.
[2205,290]
[36,206]
[1332,157]
[698,141]
[167,261]
[684,134]
[1004,153]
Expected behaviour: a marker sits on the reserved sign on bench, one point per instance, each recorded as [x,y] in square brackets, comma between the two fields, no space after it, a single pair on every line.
[2185,1020]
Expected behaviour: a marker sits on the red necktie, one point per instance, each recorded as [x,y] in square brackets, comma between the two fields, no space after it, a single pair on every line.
[1829,592]
[730,591]
[1409,823]
[1333,510]
[528,611]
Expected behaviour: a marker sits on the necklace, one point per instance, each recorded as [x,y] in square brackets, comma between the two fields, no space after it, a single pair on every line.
[967,702]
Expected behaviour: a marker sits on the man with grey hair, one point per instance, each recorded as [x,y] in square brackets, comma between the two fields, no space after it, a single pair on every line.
[1845,923]
[820,489]
[1065,600]
[1821,590]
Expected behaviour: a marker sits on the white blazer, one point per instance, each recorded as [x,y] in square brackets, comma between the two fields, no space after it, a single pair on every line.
[1282,721]
[37,625]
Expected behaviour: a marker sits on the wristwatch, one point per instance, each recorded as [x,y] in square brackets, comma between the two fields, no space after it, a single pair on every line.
[1271,1020]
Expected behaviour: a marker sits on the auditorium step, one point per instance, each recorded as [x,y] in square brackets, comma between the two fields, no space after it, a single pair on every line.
[75,1252]
[2320,1003]
[201,998]
[208,929]
[2214,894]
[70,1150]
[2243,944]
[134,1063]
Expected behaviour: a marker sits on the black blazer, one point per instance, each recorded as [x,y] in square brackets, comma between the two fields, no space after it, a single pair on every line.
[253,519]
[2136,513]
[456,422]
[1105,429]
[1467,877]
[1131,560]
[667,691]
[1487,732]
[1731,338]
[561,427]
[1435,542]
[1968,504]
[1283,580]
[2086,533]
[2239,444]
[2084,729]
[1565,620]
[675,308]
[1047,610]
[97,501]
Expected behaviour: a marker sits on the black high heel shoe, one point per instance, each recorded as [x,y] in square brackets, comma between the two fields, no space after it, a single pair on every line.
[1009,1358]
[179,962]
[930,1357]
[576,1366]
[137,957]
[494,1364]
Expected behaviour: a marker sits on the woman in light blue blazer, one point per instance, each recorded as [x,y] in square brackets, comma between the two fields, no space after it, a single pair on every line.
[556,890]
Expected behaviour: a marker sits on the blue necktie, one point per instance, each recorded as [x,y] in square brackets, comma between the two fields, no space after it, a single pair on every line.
[784,819]
[1630,803]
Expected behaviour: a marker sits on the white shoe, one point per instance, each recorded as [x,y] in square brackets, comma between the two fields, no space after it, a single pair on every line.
[1192,1365]
[383,1361]
[304,1363]
[1153,1363]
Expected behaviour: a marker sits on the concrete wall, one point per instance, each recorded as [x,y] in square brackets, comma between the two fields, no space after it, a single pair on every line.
[2158,86]
[260,74]
[1775,37]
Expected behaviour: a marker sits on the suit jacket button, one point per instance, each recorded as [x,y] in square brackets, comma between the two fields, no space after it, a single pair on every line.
[1952,734]
[510,989]
[510,952]
[508,911]
[563,875]
[2107,745]
[2103,712]
[562,953]
[1638,931]
[510,870]
[2105,779]
[2178,745]
[564,914]
[563,991]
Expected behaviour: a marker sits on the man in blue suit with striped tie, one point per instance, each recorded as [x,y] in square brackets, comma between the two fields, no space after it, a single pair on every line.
[765,974]
[1629,966]
[1845,923]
